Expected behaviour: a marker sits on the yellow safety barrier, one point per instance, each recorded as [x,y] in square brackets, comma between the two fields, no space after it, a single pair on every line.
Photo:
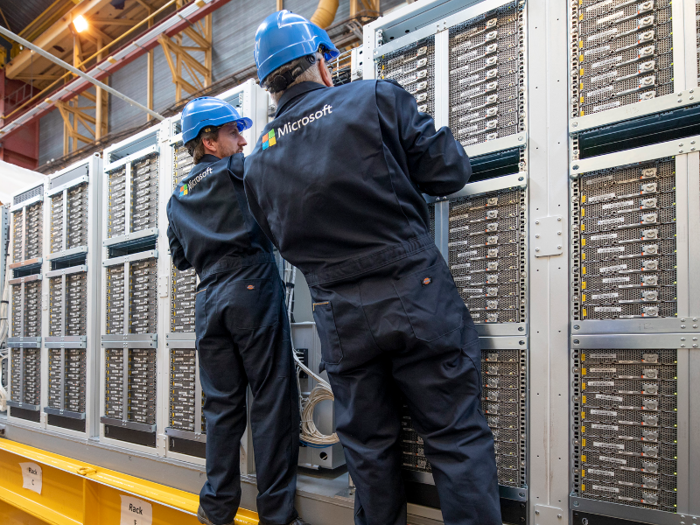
[70,492]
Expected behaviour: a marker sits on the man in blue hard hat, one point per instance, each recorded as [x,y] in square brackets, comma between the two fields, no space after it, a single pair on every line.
[335,182]
[242,333]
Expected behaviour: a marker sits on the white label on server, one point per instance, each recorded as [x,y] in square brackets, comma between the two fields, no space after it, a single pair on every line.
[602,370]
[607,106]
[136,511]
[609,280]
[604,488]
[609,398]
[600,91]
[611,17]
[616,268]
[591,182]
[613,460]
[473,290]
[599,198]
[604,427]
[604,236]
[612,295]
[621,204]
[608,309]
[595,355]
[31,477]
[601,472]
[601,383]
[602,444]
[603,35]
[604,76]
[596,412]
[611,221]
[597,50]
[607,61]
[612,249]
[599,5]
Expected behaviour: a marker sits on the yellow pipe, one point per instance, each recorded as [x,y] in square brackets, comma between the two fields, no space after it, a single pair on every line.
[325,13]
[77,493]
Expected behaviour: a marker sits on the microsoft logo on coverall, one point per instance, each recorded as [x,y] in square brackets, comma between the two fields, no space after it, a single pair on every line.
[269,139]
[189,186]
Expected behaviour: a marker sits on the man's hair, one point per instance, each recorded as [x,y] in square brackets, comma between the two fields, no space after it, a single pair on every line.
[195,147]
[310,75]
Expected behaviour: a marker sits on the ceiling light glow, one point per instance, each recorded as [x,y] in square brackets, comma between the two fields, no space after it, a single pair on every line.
[80,23]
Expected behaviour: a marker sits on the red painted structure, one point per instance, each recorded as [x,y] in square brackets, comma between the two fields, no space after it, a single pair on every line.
[22,147]
[22,143]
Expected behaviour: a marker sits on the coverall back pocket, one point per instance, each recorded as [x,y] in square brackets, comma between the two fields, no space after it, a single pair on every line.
[431,302]
[331,351]
[254,303]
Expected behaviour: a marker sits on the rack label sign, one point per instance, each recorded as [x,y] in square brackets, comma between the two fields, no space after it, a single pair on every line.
[136,511]
[31,477]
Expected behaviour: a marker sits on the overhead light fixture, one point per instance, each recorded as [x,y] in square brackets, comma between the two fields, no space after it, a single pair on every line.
[80,23]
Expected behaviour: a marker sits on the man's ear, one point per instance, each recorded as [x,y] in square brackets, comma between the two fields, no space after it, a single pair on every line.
[209,145]
[325,73]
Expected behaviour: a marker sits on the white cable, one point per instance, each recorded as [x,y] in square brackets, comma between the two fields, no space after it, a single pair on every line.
[321,392]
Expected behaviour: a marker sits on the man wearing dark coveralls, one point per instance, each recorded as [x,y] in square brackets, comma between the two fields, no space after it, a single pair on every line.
[335,182]
[242,333]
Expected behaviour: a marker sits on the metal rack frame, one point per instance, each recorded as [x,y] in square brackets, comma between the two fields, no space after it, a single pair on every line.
[685,88]
[434,18]
[89,172]
[35,264]
[687,192]
[152,141]
[688,362]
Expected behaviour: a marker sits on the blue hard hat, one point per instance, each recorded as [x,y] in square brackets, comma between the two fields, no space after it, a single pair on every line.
[283,37]
[204,112]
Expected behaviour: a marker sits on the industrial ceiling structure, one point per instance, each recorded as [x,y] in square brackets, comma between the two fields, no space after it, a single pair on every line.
[99,37]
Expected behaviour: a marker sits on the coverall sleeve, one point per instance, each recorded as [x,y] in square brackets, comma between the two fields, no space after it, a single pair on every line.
[257,212]
[436,162]
[176,251]
[235,166]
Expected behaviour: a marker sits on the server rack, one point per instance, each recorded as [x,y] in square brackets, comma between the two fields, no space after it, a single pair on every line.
[630,59]
[629,216]
[134,191]
[465,63]
[184,422]
[634,282]
[4,246]
[26,357]
[72,275]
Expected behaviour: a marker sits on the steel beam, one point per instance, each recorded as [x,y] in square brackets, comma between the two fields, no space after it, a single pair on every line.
[127,54]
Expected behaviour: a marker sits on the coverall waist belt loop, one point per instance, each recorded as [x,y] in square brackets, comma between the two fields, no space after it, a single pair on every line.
[228,263]
[372,261]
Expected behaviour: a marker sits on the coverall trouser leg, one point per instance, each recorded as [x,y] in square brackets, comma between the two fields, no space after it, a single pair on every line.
[243,339]
[403,331]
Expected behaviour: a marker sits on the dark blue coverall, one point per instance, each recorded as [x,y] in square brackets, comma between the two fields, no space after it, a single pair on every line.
[242,339]
[339,194]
